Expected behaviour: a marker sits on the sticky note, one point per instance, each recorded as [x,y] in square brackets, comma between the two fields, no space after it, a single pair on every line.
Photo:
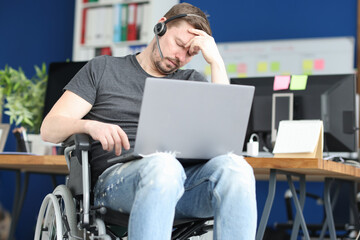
[242,75]
[262,67]
[241,68]
[231,68]
[275,66]
[308,65]
[207,70]
[319,64]
[298,82]
[281,83]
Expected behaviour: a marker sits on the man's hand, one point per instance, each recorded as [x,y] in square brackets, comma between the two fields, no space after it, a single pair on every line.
[110,136]
[206,43]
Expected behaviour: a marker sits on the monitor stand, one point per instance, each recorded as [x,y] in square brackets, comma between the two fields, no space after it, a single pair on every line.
[282,109]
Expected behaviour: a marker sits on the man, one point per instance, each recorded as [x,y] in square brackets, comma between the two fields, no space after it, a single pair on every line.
[103,100]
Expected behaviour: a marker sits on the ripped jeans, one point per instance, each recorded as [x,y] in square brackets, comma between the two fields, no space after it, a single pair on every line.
[158,188]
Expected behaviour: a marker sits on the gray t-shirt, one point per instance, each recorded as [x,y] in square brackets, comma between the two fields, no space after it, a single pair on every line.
[114,87]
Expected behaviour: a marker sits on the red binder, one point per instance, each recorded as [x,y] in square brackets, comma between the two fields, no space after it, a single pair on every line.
[83,26]
[132,28]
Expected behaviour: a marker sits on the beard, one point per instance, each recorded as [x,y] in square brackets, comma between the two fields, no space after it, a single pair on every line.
[161,63]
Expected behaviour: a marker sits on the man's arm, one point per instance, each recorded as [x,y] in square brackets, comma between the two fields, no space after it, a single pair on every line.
[202,41]
[65,119]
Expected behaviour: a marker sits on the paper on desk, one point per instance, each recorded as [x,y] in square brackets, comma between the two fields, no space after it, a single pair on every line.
[299,136]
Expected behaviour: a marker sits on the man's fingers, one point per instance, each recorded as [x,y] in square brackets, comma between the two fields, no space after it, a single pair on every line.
[104,143]
[117,143]
[124,139]
[197,32]
[111,136]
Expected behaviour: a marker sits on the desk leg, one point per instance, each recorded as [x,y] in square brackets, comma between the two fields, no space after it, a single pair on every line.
[353,206]
[18,201]
[15,203]
[328,209]
[53,180]
[335,198]
[299,205]
[268,205]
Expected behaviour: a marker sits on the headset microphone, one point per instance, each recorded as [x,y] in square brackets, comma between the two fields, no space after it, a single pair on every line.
[158,45]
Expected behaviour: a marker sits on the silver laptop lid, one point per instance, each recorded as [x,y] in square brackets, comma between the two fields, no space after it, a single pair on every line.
[193,119]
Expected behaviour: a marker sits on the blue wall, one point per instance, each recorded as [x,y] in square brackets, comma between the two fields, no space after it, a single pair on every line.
[33,32]
[239,20]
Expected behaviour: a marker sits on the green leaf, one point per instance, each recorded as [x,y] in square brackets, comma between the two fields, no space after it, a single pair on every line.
[22,98]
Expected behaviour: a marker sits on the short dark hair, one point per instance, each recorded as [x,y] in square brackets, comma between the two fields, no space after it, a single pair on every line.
[200,22]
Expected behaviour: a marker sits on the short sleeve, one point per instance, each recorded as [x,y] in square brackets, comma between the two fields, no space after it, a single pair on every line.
[86,81]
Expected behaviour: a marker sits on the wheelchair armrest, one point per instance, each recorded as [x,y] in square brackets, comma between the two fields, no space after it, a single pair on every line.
[80,140]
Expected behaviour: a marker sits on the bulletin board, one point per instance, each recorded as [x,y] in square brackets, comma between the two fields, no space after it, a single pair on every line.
[283,57]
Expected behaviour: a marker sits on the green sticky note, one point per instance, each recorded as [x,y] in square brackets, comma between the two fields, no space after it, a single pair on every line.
[231,68]
[275,66]
[262,67]
[207,70]
[298,82]
[307,72]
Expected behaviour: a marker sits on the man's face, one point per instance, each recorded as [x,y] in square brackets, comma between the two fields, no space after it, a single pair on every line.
[172,45]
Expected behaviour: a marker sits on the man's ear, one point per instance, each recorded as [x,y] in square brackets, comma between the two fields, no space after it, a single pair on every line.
[163,19]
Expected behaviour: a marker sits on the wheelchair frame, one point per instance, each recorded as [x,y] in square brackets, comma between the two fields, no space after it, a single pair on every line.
[66,214]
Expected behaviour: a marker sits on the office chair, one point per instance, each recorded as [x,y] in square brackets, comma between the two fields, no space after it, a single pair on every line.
[68,213]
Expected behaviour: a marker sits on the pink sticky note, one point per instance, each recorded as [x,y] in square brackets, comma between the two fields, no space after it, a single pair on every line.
[241,68]
[319,64]
[281,82]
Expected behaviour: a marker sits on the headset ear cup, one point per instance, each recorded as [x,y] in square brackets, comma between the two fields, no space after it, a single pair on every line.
[160,29]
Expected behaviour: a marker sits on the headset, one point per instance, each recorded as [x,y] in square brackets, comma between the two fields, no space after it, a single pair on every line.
[160,28]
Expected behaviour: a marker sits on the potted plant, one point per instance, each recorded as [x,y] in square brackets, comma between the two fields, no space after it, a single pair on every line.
[21,98]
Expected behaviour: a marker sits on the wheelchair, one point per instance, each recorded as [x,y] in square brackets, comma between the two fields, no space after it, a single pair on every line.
[67,212]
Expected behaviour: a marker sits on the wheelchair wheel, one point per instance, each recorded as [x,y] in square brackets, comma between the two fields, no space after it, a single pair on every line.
[57,216]
[49,223]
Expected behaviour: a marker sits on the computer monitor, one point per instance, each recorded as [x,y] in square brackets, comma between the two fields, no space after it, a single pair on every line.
[331,98]
[60,73]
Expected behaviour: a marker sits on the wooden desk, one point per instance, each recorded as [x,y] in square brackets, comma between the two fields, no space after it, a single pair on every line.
[314,170]
[32,163]
[264,168]
[28,164]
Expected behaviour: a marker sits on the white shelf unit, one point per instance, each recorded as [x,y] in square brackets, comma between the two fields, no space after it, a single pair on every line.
[153,10]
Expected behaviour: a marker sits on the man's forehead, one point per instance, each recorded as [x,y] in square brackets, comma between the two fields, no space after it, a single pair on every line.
[185,35]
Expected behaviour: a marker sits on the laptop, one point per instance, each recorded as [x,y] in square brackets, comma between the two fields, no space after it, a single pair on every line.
[194,120]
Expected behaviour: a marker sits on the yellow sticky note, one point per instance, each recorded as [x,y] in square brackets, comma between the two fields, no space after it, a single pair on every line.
[275,66]
[231,68]
[262,67]
[308,65]
[242,75]
[298,82]
[207,70]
